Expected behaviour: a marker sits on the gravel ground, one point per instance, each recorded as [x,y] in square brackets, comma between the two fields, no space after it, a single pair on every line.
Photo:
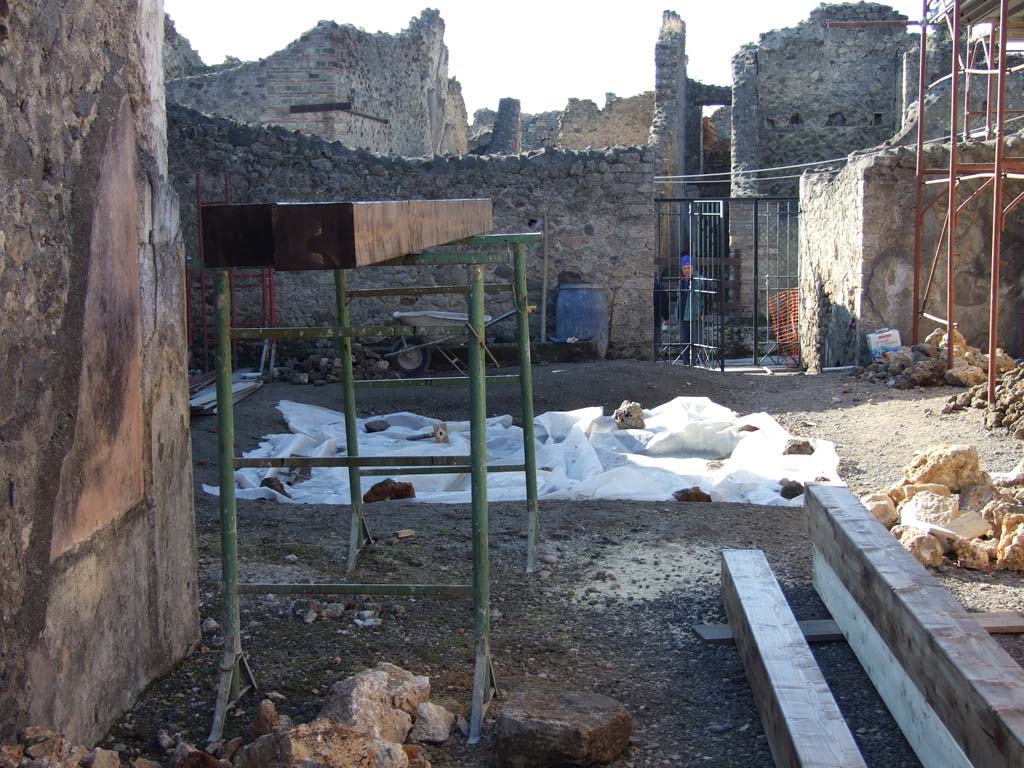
[628,635]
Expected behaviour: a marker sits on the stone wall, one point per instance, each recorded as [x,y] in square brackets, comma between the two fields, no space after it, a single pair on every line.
[622,122]
[401,79]
[541,130]
[97,538]
[180,58]
[856,261]
[507,133]
[668,128]
[812,93]
[598,206]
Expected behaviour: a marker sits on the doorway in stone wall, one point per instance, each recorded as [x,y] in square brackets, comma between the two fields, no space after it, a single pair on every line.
[726,288]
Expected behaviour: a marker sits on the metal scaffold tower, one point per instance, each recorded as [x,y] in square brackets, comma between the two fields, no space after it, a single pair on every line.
[981,31]
[488,250]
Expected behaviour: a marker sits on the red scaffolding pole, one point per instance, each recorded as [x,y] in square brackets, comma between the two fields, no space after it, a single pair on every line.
[247,284]
[989,25]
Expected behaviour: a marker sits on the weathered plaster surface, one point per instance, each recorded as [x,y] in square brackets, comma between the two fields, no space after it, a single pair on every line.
[97,560]
[857,240]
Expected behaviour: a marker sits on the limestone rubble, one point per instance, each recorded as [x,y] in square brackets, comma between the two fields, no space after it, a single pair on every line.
[948,505]
[924,365]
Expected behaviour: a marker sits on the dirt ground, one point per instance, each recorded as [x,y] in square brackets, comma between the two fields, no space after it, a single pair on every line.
[628,636]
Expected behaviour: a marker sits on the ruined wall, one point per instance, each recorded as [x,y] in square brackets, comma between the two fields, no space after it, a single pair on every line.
[857,257]
[812,93]
[698,96]
[180,58]
[598,205]
[668,128]
[541,130]
[507,132]
[97,538]
[623,122]
[401,78]
[939,55]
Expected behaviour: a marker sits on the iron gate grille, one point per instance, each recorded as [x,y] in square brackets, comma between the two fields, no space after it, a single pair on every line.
[738,302]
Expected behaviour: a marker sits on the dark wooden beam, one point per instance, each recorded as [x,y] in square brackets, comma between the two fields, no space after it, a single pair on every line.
[327,106]
[798,712]
[301,236]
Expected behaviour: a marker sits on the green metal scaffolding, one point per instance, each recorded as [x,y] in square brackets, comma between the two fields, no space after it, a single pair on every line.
[493,249]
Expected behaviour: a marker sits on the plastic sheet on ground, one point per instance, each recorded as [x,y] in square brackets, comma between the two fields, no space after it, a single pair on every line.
[689,441]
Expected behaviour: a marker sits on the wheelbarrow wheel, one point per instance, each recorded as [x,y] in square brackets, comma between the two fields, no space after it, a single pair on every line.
[410,361]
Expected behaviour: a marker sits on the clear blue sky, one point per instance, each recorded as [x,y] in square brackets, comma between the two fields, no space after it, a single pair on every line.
[539,52]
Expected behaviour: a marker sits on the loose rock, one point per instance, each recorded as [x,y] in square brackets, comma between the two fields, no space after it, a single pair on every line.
[882,507]
[691,494]
[433,724]
[378,702]
[545,727]
[387,490]
[798,446]
[954,466]
[322,743]
[629,415]
[926,548]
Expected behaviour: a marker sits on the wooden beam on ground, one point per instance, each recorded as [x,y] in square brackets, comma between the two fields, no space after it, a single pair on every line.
[955,693]
[827,631]
[800,717]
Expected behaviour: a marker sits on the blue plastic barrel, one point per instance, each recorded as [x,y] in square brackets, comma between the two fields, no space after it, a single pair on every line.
[582,312]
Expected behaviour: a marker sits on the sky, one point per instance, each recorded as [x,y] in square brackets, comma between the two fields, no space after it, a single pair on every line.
[542,53]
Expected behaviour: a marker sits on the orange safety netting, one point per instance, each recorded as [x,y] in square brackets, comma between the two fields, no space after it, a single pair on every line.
[784,312]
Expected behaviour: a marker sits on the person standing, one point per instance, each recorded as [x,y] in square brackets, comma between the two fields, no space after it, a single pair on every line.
[688,309]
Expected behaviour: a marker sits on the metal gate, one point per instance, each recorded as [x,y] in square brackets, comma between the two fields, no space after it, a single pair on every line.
[726,288]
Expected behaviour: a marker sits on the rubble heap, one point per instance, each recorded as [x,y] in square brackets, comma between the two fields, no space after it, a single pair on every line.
[378,718]
[947,506]
[318,368]
[924,364]
[38,747]
[1007,410]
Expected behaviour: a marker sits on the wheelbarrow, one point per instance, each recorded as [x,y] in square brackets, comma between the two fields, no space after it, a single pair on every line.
[411,355]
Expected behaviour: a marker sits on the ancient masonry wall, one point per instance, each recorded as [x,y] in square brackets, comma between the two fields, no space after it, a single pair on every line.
[97,538]
[597,204]
[669,127]
[622,122]
[856,260]
[812,93]
[180,58]
[541,130]
[402,79]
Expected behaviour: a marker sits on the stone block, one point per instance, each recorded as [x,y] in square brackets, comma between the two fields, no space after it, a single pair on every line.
[540,727]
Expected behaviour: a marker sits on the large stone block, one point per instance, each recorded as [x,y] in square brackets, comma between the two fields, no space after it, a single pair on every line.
[541,727]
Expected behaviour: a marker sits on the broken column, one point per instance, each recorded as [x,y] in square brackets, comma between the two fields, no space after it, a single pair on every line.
[507,136]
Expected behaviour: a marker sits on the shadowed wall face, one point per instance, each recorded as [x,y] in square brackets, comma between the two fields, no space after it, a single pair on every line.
[97,542]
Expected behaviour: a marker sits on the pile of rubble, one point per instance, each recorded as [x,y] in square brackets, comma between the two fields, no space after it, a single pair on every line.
[319,369]
[946,505]
[924,364]
[42,748]
[1007,410]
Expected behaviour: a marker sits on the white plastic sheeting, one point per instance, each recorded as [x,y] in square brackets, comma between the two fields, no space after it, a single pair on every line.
[580,455]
